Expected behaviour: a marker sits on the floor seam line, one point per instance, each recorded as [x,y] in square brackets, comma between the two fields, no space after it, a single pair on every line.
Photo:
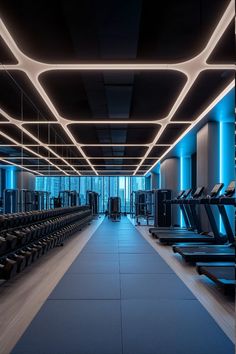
[121,320]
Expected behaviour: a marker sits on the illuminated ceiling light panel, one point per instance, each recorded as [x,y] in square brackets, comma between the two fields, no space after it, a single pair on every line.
[20,126]
[20,166]
[27,149]
[116,165]
[190,68]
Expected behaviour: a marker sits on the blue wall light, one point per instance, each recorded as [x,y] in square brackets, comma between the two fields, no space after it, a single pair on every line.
[10,177]
[185,178]
[226,160]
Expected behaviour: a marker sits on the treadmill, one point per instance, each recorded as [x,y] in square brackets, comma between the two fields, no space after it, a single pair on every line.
[181,237]
[182,195]
[214,253]
[221,273]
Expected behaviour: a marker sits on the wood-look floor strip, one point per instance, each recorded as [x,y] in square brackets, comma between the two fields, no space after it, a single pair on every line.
[22,297]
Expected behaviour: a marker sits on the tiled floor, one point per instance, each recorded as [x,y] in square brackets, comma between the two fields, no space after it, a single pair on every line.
[119,296]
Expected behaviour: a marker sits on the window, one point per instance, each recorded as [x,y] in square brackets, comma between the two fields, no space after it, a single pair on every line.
[105,186]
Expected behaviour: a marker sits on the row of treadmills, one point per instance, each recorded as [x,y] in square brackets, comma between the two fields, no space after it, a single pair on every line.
[213,252]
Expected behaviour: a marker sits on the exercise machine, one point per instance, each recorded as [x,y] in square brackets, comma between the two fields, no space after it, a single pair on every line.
[144,205]
[162,210]
[132,204]
[199,235]
[189,205]
[217,252]
[221,273]
[41,200]
[114,208]
[182,195]
[68,198]
[92,199]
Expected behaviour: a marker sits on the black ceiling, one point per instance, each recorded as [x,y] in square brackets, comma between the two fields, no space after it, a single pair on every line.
[28,106]
[6,57]
[82,120]
[224,52]
[111,95]
[75,30]
[114,133]
[206,88]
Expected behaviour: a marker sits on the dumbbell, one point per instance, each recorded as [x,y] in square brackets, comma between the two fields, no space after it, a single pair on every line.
[53,241]
[34,252]
[8,268]
[28,256]
[3,245]
[57,237]
[11,241]
[20,260]
[19,219]
[44,245]
[29,217]
[39,248]
[35,230]
[2,222]
[21,236]
[28,232]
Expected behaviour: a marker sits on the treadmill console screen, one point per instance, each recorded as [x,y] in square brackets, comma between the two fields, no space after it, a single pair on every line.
[216,189]
[230,189]
[198,192]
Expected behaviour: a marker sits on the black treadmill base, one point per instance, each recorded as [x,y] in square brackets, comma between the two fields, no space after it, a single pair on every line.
[208,253]
[222,276]
[186,239]
[207,258]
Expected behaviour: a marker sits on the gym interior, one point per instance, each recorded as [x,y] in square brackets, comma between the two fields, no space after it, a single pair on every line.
[117,177]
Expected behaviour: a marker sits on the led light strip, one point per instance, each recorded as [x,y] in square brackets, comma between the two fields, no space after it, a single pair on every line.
[27,149]
[118,157]
[42,165]
[191,68]
[40,143]
[95,158]
[21,167]
[204,113]
[116,165]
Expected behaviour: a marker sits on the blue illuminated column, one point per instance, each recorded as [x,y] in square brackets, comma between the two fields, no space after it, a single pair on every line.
[226,161]
[10,177]
[148,183]
[185,178]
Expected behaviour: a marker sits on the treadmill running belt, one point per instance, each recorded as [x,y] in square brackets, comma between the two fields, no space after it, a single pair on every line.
[220,274]
[227,273]
[119,296]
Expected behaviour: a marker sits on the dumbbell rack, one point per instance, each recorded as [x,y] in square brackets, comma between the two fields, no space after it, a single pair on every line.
[25,237]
